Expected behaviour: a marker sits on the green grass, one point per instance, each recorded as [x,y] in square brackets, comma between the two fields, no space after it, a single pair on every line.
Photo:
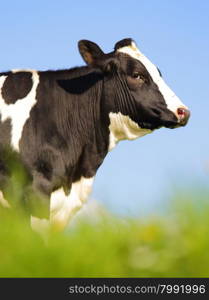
[173,245]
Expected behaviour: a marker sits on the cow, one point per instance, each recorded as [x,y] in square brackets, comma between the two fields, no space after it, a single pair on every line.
[61,124]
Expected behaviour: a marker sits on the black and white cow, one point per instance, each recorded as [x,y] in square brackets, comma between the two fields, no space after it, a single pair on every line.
[63,123]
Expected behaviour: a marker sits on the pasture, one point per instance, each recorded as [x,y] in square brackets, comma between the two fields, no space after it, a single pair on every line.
[172,245]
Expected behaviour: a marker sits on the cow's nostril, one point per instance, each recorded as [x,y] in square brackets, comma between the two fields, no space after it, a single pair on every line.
[183,114]
[181,111]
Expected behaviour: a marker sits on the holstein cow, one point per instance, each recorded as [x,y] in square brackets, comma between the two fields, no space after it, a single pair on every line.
[63,123]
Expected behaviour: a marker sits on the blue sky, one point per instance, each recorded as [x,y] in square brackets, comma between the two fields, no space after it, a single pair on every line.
[138,175]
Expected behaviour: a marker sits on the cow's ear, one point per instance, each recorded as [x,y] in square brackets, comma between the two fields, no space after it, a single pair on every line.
[95,57]
[90,52]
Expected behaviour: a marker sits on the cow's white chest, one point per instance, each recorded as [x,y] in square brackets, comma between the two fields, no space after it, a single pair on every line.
[63,207]
[123,128]
[18,112]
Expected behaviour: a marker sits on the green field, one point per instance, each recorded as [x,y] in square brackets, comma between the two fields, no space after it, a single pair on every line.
[175,244]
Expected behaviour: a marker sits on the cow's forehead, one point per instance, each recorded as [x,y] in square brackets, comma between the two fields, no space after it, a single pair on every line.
[133,51]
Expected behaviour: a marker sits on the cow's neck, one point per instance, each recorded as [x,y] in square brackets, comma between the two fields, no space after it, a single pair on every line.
[93,128]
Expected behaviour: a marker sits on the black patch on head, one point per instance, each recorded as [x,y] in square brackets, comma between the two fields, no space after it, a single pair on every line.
[16,86]
[131,66]
[123,43]
[5,132]
[139,97]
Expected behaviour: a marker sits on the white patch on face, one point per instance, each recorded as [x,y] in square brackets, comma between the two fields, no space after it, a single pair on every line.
[123,128]
[18,112]
[63,207]
[172,101]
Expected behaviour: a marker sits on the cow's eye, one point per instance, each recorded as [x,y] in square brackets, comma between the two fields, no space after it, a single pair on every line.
[138,76]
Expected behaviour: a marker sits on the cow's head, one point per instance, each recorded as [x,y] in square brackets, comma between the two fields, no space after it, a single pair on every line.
[135,87]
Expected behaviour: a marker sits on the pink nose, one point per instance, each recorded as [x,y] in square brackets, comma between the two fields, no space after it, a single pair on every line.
[183,114]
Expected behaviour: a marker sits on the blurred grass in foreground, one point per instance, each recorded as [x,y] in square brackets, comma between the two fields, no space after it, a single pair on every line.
[173,245]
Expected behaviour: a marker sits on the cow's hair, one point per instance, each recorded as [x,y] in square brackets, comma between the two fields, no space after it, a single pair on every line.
[61,124]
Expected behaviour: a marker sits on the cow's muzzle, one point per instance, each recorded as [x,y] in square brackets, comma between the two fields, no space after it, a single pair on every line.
[183,115]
